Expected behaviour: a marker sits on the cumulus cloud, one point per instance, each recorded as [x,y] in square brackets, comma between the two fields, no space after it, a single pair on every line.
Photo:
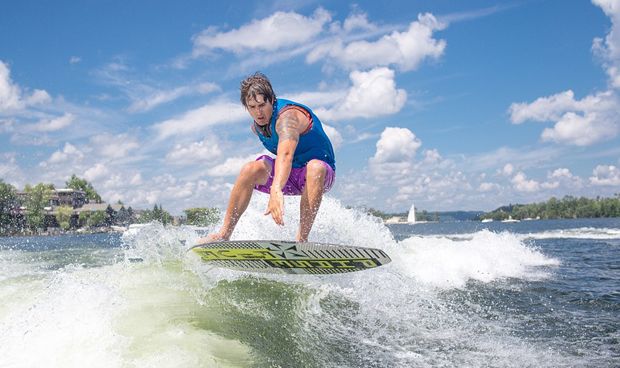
[355,44]
[393,158]
[396,145]
[194,152]
[232,165]
[521,183]
[358,21]
[595,117]
[406,50]
[507,170]
[269,34]
[114,146]
[10,171]
[561,173]
[334,136]
[97,172]
[577,122]
[432,156]
[372,93]
[11,95]
[609,47]
[197,120]
[488,187]
[562,177]
[605,175]
[69,152]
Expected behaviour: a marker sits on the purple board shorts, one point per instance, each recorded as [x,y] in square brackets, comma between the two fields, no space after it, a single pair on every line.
[296,180]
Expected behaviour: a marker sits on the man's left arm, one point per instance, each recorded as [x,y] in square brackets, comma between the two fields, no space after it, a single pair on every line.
[289,126]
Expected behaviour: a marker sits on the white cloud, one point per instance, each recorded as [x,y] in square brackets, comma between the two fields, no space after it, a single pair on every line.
[75,60]
[196,151]
[334,136]
[143,96]
[10,172]
[373,93]
[38,97]
[69,152]
[7,125]
[522,184]
[592,119]
[396,145]
[96,172]
[197,120]
[406,50]
[358,21]
[432,156]
[609,48]
[488,187]
[114,146]
[577,122]
[269,34]
[158,97]
[319,98]
[232,166]
[393,159]
[507,170]
[11,96]
[136,179]
[561,173]
[51,125]
[606,175]
[581,130]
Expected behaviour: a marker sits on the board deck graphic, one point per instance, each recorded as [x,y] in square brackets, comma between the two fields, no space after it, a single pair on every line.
[277,256]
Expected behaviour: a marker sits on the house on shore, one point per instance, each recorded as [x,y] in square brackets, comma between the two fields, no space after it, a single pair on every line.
[67,197]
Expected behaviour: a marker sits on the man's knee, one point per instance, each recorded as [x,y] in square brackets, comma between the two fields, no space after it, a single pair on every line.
[255,170]
[316,170]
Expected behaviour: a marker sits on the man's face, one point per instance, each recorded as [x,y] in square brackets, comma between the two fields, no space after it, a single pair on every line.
[260,109]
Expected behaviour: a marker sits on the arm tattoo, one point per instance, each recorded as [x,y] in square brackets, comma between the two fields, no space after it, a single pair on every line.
[287,127]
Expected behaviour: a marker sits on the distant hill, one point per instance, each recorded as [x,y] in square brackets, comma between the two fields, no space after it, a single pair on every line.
[449,216]
[567,207]
[441,216]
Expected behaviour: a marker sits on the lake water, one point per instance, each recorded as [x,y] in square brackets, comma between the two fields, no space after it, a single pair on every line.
[528,294]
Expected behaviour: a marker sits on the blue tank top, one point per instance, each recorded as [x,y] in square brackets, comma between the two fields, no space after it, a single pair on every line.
[313,144]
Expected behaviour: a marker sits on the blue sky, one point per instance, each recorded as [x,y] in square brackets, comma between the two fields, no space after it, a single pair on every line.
[452,105]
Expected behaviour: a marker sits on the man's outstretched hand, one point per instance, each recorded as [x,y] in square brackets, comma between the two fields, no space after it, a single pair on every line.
[275,208]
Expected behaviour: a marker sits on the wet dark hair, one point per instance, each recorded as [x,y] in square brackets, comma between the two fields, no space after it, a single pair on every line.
[256,84]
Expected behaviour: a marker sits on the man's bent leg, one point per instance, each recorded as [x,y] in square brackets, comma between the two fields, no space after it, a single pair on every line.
[252,173]
[311,197]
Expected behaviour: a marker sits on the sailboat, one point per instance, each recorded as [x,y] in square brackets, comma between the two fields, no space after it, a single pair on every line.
[411,215]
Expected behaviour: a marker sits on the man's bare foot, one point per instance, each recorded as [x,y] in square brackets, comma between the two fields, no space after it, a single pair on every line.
[299,239]
[211,238]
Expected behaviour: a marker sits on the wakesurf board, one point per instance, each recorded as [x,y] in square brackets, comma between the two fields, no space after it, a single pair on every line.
[287,257]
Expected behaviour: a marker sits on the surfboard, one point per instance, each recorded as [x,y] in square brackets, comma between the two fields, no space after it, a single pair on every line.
[276,256]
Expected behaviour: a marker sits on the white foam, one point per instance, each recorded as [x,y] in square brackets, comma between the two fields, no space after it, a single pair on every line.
[578,233]
[449,261]
[486,257]
[333,224]
[125,315]
[67,325]
[146,313]
[156,243]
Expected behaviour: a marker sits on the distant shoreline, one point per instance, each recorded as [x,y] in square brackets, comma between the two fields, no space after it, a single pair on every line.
[58,232]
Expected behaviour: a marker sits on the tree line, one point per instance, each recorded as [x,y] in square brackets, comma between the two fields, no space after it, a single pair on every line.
[568,207]
[27,213]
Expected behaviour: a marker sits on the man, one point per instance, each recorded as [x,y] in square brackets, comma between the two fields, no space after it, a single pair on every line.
[304,164]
